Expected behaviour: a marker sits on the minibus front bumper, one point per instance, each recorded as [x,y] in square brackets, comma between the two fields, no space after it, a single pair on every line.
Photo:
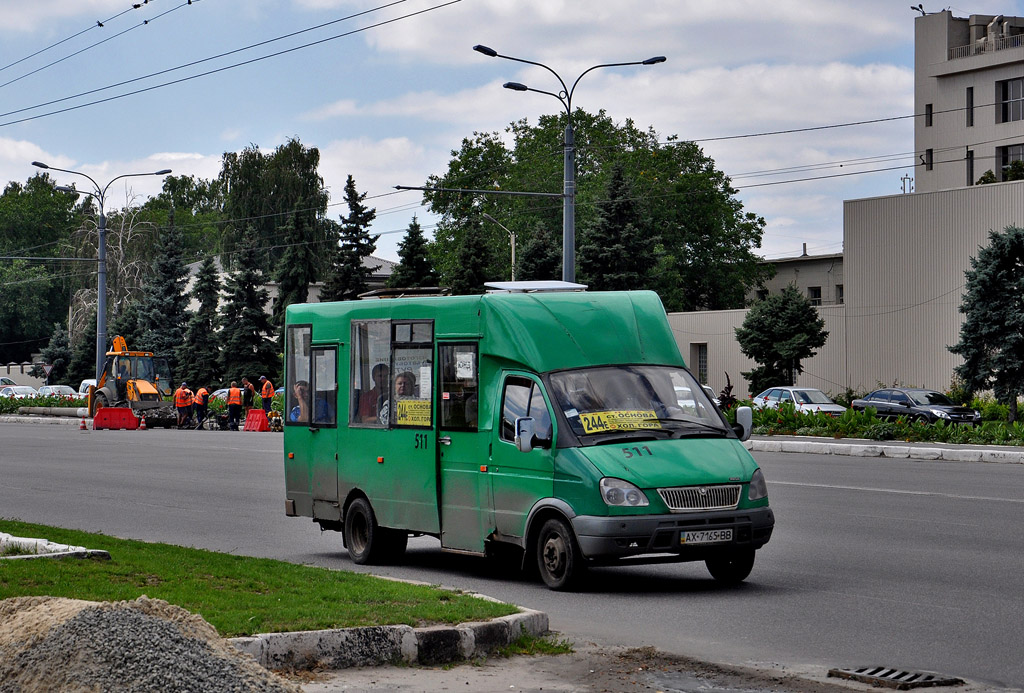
[611,538]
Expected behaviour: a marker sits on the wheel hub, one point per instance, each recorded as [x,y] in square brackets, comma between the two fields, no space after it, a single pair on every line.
[554,554]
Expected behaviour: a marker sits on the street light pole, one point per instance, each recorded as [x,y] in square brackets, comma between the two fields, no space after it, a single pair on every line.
[512,240]
[101,252]
[569,163]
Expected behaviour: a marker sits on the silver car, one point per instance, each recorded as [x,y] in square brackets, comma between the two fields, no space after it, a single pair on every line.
[805,399]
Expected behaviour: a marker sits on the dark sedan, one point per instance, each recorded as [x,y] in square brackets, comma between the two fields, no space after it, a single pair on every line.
[917,404]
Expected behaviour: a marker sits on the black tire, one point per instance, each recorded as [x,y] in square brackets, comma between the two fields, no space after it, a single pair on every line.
[731,568]
[559,560]
[362,533]
[99,401]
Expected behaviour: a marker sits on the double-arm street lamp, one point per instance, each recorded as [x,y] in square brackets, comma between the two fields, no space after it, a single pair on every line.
[569,187]
[101,252]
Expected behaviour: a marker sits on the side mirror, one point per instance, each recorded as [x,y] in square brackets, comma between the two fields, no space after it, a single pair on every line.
[744,422]
[524,434]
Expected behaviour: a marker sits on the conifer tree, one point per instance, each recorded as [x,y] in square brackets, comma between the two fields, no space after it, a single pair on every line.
[615,255]
[246,348]
[415,268]
[199,356]
[297,268]
[126,324]
[540,257]
[992,335]
[348,275]
[162,310]
[83,353]
[473,258]
[56,353]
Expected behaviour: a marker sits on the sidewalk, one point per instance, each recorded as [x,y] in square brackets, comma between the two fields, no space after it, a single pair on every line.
[858,447]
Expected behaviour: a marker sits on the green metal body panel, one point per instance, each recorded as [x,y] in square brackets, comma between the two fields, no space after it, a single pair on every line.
[468,487]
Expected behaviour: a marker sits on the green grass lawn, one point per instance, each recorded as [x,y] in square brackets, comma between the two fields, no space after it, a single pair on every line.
[236,594]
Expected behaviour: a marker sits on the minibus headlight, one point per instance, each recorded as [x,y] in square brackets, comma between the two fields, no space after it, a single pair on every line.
[758,488]
[622,493]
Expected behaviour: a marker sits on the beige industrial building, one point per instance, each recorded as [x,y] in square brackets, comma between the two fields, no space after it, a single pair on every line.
[897,287]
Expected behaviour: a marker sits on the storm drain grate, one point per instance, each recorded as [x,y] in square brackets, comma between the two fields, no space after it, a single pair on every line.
[895,678]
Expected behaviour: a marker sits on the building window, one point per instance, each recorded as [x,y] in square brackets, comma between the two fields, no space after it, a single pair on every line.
[839,294]
[814,294]
[1006,156]
[762,294]
[970,107]
[1011,100]
[702,363]
[929,157]
[969,161]
[927,115]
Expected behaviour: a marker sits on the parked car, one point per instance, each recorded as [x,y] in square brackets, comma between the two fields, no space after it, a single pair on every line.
[805,399]
[18,391]
[83,389]
[918,404]
[220,394]
[58,391]
[5,381]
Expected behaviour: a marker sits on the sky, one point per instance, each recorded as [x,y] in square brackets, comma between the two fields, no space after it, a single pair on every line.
[386,91]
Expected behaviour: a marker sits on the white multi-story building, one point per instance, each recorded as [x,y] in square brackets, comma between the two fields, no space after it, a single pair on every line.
[968,96]
[904,256]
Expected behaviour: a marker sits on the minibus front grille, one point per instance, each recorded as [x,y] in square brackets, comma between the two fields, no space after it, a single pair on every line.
[684,499]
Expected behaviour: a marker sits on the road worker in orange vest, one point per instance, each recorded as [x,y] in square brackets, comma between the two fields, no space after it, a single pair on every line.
[183,400]
[234,405]
[267,393]
[201,404]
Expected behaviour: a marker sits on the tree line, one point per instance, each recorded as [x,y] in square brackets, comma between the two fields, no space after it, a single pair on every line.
[650,215]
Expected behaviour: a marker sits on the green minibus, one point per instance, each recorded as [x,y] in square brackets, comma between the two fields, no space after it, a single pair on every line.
[561,424]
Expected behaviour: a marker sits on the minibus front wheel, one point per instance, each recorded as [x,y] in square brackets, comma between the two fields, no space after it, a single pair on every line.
[558,555]
[731,568]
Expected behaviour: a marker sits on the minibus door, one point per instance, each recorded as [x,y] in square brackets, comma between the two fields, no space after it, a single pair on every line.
[464,484]
[323,429]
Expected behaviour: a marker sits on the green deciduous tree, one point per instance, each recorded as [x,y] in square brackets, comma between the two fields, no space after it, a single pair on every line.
[778,333]
[992,334]
[348,274]
[684,204]
[246,347]
[414,268]
[199,356]
[262,192]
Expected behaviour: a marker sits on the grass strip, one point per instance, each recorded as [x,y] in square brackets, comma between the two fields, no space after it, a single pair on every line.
[238,595]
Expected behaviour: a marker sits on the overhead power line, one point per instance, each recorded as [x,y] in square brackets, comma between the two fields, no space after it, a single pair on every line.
[224,68]
[98,24]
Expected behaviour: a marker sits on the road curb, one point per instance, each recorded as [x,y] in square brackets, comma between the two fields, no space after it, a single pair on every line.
[948,454]
[33,419]
[376,645]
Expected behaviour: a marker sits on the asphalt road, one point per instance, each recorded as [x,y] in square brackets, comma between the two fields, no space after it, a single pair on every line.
[904,563]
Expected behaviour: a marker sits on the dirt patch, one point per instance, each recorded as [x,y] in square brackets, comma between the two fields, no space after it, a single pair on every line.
[49,643]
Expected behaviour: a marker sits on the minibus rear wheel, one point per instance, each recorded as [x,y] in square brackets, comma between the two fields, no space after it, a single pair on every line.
[558,555]
[731,568]
[361,532]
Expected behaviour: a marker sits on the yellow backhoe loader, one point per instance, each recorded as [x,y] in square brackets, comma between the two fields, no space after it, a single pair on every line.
[135,379]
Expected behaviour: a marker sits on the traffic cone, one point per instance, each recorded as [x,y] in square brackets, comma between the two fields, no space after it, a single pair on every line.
[82,426]
[142,424]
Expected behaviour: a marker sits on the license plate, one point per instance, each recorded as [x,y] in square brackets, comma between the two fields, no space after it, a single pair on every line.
[705,536]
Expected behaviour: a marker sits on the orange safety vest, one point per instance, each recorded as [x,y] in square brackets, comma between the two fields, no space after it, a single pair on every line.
[182,397]
[234,396]
[200,395]
[268,390]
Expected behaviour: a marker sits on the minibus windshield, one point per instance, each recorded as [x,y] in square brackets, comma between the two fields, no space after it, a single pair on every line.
[657,399]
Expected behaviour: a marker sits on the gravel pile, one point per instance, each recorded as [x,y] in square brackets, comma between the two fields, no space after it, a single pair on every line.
[49,643]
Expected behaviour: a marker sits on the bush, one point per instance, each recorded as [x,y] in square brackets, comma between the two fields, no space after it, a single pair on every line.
[880,430]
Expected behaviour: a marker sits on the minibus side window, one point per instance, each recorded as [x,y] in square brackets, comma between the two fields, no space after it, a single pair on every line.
[371,372]
[459,386]
[522,397]
[325,386]
[412,362]
[297,362]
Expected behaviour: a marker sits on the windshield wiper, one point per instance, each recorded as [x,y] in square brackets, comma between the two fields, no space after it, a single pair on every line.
[705,427]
